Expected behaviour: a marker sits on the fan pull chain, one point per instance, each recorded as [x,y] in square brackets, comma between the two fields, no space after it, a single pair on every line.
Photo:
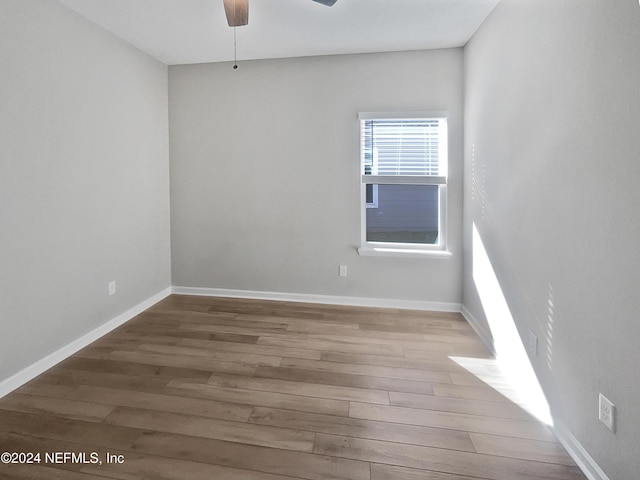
[235,50]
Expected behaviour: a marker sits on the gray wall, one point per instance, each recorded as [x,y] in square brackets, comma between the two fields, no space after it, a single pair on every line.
[552,111]
[83,179]
[265,173]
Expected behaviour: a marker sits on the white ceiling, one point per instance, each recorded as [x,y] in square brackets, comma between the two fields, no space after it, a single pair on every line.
[196,31]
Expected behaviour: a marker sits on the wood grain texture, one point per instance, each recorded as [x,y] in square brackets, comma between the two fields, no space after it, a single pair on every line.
[249,457]
[344,379]
[260,398]
[354,427]
[438,459]
[392,472]
[456,421]
[193,426]
[204,388]
[459,405]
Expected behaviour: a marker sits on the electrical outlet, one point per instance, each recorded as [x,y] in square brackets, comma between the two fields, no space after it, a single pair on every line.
[607,412]
[342,270]
[112,288]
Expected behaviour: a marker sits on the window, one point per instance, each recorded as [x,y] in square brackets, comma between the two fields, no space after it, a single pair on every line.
[404,181]
[371,190]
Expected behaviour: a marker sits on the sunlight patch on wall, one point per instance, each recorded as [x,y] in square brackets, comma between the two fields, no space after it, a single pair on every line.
[549,332]
[511,355]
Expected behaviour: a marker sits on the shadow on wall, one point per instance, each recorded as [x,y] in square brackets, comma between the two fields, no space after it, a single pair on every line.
[511,356]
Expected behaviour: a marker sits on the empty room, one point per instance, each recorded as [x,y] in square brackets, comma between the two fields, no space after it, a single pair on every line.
[319,239]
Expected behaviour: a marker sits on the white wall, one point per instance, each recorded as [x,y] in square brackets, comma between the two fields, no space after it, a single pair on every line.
[552,117]
[265,173]
[83,179]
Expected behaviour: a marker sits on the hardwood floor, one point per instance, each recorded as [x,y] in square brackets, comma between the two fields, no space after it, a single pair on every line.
[214,388]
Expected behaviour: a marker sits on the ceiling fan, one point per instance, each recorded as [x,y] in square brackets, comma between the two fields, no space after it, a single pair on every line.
[237,11]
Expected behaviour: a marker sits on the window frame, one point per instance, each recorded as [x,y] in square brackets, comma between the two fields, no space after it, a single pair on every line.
[374,188]
[369,248]
[374,197]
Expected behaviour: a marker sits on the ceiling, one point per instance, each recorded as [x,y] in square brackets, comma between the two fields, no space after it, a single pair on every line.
[196,31]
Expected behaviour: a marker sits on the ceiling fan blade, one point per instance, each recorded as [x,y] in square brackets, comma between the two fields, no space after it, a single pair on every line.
[237,12]
[328,3]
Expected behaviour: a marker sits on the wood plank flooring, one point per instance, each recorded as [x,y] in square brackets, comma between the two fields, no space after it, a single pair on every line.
[216,388]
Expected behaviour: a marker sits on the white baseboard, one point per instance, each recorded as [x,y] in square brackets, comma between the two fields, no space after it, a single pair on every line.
[582,458]
[480,330]
[35,369]
[324,299]
[577,452]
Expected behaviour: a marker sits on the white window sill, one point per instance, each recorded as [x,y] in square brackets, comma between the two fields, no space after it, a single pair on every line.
[402,252]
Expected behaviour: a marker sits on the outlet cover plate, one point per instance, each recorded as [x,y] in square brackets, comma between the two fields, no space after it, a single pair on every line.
[607,412]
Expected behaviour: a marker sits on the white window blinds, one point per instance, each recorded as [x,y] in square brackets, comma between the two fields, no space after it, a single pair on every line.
[403,147]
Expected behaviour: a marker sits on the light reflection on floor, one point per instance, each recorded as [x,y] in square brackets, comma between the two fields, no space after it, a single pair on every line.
[488,370]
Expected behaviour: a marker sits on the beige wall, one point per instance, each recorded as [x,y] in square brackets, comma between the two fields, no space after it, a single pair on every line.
[265,173]
[83,179]
[552,111]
